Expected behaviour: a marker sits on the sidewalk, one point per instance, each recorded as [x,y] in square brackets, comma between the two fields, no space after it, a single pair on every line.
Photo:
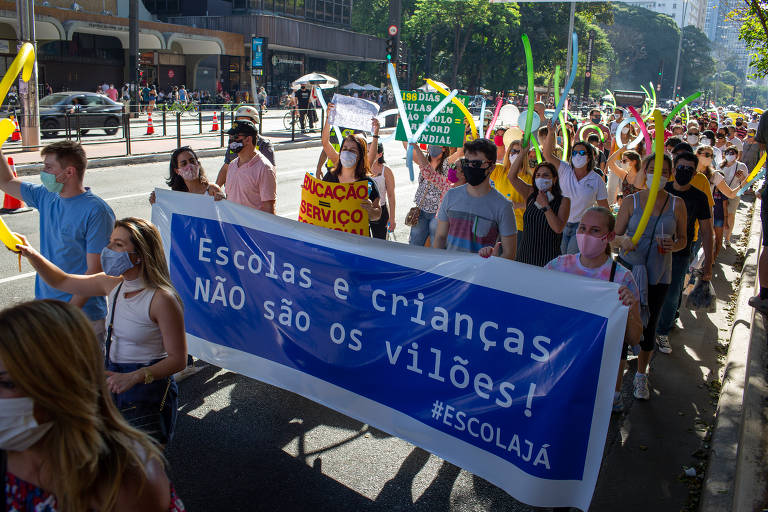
[649,446]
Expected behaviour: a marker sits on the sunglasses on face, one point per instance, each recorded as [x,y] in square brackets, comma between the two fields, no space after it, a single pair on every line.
[472,163]
[706,155]
[684,168]
[625,161]
[581,152]
[514,151]
[720,136]
[731,153]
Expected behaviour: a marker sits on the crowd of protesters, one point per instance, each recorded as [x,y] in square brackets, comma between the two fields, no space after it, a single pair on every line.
[90,434]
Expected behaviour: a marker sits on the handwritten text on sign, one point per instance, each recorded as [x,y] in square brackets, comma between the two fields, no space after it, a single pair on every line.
[503,377]
[446,129]
[334,205]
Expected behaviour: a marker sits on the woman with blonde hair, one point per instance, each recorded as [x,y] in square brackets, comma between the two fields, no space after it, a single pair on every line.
[146,343]
[63,443]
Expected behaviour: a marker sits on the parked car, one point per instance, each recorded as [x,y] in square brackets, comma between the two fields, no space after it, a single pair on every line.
[96,112]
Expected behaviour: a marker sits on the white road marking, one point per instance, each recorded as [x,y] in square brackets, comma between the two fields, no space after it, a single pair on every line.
[128,196]
[16,278]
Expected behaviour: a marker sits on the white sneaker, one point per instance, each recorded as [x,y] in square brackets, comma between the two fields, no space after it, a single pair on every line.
[641,387]
[663,342]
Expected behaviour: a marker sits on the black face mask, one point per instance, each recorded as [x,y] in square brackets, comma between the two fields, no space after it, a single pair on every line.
[596,120]
[738,123]
[474,175]
[236,147]
[684,174]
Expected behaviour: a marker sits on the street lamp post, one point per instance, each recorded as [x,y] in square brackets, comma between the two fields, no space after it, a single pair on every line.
[30,110]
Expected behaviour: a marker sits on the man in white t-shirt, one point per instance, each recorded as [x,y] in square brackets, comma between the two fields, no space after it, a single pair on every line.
[579,182]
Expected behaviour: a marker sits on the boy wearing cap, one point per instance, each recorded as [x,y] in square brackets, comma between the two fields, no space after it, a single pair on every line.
[250,177]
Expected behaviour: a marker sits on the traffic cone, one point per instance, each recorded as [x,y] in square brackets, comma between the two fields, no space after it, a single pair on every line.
[16,137]
[150,127]
[10,203]
[215,123]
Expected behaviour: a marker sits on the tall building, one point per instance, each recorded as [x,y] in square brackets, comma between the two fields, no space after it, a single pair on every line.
[724,34]
[684,12]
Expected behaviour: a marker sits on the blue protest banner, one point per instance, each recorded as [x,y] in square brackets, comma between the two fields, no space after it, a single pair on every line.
[504,369]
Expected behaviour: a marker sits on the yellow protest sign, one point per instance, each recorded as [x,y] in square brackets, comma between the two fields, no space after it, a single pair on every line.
[334,205]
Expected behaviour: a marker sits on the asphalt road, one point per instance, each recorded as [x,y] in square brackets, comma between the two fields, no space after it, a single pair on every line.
[247,446]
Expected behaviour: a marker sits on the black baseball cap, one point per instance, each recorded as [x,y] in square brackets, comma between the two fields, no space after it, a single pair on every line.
[243,128]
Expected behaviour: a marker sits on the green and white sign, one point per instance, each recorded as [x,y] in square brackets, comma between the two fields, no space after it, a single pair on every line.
[446,129]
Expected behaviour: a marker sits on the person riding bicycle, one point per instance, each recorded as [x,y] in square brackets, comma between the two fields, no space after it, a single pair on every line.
[264,146]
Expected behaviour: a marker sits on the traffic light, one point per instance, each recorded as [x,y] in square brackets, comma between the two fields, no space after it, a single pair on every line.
[391,43]
[400,51]
[661,72]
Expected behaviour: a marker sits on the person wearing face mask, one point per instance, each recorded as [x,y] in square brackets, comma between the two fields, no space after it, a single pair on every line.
[698,209]
[579,182]
[618,117]
[63,444]
[740,129]
[351,165]
[75,223]
[734,173]
[475,217]
[651,258]
[146,344]
[301,100]
[500,182]
[251,180]
[498,139]
[595,118]
[263,146]
[625,164]
[187,175]
[692,137]
[545,216]
[596,231]
[733,139]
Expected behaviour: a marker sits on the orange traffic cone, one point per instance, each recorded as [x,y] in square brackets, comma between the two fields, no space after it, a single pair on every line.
[10,203]
[150,127]
[215,123]
[16,137]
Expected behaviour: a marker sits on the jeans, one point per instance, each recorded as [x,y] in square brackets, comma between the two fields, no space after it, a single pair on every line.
[568,244]
[426,227]
[674,293]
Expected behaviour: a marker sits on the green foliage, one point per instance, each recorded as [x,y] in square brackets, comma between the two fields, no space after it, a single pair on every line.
[643,39]
[754,32]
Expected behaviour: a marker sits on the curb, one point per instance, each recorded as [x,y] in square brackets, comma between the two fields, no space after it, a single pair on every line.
[732,477]
[95,163]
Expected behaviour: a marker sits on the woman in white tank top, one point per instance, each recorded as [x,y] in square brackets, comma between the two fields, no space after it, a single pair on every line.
[146,339]
[385,181]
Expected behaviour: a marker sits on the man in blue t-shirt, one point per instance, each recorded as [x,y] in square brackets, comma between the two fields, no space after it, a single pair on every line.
[75,224]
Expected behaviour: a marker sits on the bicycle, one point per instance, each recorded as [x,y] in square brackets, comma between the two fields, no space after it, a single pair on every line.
[291,118]
[191,108]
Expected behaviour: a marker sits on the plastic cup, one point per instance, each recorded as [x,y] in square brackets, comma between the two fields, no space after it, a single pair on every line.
[660,242]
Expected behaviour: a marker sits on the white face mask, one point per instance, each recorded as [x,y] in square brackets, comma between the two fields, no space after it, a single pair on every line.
[579,161]
[348,158]
[705,141]
[19,429]
[543,184]
[625,130]
[730,158]
[649,180]
[693,139]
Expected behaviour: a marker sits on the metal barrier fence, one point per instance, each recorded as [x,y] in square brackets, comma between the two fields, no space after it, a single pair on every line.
[75,123]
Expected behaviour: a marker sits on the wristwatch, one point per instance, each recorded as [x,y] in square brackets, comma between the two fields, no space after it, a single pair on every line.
[545,209]
[148,377]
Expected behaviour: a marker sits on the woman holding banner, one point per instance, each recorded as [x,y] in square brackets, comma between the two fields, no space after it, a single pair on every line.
[187,175]
[651,258]
[351,165]
[596,230]
[546,213]
[146,343]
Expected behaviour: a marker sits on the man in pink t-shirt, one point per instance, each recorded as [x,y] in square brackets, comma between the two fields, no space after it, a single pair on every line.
[251,179]
[112,92]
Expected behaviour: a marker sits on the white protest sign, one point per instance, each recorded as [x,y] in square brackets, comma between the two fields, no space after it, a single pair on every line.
[355,113]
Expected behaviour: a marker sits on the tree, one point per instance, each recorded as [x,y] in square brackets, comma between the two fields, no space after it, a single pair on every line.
[753,17]
[696,63]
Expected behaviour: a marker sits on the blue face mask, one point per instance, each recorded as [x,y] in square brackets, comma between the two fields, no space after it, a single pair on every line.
[50,183]
[115,263]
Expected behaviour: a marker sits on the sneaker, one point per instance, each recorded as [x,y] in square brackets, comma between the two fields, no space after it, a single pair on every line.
[641,387]
[759,304]
[618,404]
[663,342]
